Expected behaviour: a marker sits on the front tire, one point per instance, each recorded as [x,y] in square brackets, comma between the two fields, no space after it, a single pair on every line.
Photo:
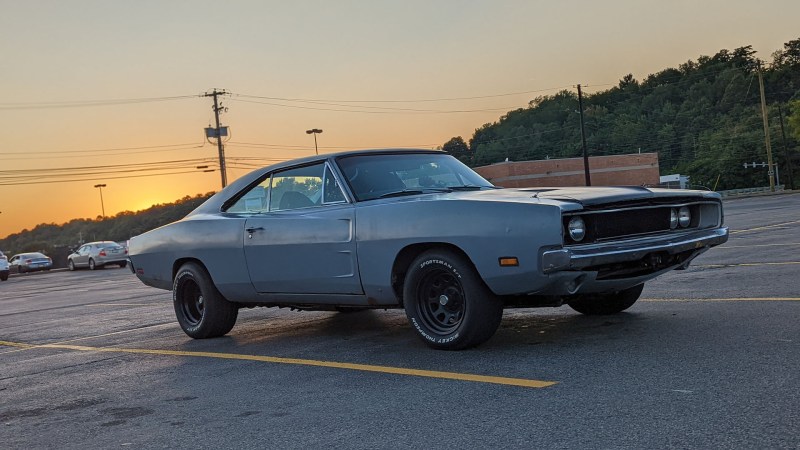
[201,310]
[447,302]
[608,303]
[71,265]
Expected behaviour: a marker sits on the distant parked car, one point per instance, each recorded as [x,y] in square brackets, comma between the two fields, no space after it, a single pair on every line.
[4,271]
[96,255]
[30,262]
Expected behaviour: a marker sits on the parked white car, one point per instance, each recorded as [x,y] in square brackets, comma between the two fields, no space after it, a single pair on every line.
[96,255]
[4,271]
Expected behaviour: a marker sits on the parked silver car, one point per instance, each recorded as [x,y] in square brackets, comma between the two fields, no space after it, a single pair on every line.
[4,270]
[30,262]
[419,230]
[96,255]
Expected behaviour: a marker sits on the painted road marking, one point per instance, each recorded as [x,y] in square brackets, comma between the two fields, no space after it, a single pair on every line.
[717,266]
[522,382]
[123,304]
[747,299]
[758,245]
[765,227]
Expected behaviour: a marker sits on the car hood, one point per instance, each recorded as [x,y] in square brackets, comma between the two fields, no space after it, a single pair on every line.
[580,196]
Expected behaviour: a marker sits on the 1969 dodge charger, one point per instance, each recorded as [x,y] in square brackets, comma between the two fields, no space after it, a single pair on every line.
[419,230]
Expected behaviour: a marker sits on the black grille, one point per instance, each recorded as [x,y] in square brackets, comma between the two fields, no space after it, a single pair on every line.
[606,225]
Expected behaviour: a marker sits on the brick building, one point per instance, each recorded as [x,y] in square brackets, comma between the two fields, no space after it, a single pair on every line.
[618,170]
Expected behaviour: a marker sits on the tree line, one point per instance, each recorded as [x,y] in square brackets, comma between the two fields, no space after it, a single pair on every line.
[56,240]
[703,118]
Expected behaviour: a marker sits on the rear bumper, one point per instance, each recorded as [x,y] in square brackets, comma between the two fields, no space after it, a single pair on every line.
[594,255]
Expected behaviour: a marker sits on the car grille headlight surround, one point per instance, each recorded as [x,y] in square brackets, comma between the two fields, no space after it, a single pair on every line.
[684,217]
[576,229]
[673,218]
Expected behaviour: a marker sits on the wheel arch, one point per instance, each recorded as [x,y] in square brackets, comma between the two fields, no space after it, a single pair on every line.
[410,252]
[181,261]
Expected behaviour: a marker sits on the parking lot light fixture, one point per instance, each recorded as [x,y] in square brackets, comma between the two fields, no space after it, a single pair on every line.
[315,132]
[102,206]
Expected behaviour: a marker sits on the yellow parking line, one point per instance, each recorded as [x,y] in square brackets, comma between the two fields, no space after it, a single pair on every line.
[123,304]
[791,244]
[785,263]
[766,227]
[305,362]
[746,299]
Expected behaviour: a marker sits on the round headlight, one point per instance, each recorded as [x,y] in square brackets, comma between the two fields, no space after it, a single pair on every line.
[673,218]
[684,216]
[576,229]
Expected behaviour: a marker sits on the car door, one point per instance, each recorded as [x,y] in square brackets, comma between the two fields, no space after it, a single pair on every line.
[304,242]
[82,258]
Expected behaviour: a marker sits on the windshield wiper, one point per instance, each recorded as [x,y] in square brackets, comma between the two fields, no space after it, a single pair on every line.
[467,187]
[414,192]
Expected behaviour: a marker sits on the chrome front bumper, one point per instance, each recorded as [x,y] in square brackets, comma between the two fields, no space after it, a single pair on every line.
[579,257]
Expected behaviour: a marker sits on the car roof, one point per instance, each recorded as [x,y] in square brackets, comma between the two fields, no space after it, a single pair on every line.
[214,204]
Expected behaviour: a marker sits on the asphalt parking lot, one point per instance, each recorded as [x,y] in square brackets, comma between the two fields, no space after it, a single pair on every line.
[709,358]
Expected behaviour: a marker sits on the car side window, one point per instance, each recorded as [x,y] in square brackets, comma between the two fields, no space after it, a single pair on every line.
[296,188]
[255,200]
[331,191]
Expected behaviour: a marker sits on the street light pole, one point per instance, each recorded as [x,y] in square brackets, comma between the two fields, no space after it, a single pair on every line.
[102,206]
[315,132]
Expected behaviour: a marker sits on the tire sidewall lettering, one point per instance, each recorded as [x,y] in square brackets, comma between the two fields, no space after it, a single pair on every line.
[427,337]
[446,264]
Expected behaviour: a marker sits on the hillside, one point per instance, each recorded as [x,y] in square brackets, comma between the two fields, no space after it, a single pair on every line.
[703,118]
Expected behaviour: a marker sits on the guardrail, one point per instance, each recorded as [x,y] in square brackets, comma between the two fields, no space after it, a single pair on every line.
[748,191]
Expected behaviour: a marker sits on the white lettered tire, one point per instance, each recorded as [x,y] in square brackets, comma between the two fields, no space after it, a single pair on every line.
[447,303]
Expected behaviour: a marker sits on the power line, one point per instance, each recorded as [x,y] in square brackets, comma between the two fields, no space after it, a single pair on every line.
[90,103]
[96,178]
[381,110]
[58,155]
[312,100]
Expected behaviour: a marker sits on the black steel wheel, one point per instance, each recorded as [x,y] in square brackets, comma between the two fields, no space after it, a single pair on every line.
[447,302]
[201,310]
[606,303]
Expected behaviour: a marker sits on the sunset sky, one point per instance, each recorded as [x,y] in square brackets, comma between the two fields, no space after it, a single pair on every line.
[109,91]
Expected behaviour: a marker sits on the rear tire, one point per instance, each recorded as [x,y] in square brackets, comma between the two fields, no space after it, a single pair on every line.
[200,308]
[447,303]
[608,303]
[4,277]
[123,264]
[92,266]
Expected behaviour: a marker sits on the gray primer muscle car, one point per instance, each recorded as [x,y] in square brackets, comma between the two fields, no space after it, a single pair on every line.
[418,230]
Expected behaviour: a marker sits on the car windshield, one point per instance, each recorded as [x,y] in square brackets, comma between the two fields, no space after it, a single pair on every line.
[391,175]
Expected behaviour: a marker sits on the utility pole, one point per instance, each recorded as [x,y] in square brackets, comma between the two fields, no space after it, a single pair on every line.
[218,133]
[766,129]
[583,140]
